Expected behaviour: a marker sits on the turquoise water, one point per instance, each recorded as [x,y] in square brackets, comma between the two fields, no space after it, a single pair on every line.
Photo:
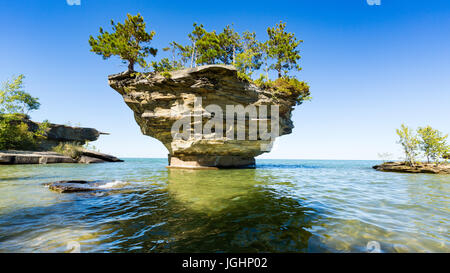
[282,206]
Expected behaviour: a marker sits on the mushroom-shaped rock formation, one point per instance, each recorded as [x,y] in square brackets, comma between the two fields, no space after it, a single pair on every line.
[204,99]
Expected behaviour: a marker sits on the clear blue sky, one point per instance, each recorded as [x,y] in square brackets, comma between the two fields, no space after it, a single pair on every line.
[370,68]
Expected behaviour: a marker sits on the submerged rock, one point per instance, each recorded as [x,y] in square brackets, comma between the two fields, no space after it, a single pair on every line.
[159,101]
[69,186]
[443,168]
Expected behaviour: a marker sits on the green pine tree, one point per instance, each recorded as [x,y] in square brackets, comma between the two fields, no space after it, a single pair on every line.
[129,41]
[282,47]
[230,42]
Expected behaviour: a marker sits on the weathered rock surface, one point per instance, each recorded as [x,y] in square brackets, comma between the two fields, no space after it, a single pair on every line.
[99,156]
[57,133]
[158,102]
[443,168]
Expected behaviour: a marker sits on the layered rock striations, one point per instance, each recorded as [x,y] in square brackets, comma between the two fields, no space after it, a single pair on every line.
[162,101]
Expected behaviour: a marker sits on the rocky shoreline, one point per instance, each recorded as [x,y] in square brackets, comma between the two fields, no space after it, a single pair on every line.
[402,167]
[33,157]
[55,135]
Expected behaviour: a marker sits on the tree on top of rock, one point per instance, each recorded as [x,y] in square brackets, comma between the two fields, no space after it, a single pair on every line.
[230,42]
[129,41]
[282,47]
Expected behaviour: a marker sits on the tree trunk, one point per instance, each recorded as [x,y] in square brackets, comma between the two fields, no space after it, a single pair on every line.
[234,55]
[131,66]
[267,70]
[192,55]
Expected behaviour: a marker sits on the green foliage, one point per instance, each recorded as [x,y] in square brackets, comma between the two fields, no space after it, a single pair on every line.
[410,142]
[280,53]
[195,36]
[15,104]
[230,43]
[177,50]
[14,134]
[432,143]
[166,75]
[208,48]
[250,58]
[282,46]
[261,81]
[13,99]
[163,65]
[288,87]
[68,149]
[129,41]
[244,77]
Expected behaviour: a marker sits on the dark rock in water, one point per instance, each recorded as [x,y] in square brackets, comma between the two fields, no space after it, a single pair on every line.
[69,186]
[89,160]
[100,156]
[402,167]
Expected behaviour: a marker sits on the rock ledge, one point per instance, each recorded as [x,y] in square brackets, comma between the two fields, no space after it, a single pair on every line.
[402,167]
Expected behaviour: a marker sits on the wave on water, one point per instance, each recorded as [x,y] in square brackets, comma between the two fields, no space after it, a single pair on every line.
[113,184]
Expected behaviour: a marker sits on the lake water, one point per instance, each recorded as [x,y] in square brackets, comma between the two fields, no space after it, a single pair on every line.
[281,206]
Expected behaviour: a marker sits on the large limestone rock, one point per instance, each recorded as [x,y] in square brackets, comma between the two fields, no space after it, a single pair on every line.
[158,100]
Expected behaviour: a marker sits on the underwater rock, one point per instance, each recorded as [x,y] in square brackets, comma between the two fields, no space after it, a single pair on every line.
[69,186]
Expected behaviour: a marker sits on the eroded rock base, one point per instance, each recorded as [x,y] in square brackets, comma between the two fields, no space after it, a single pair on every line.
[211,162]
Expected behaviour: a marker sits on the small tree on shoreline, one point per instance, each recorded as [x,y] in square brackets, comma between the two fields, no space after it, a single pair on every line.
[432,143]
[409,141]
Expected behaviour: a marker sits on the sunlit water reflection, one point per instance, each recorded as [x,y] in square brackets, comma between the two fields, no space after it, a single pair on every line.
[282,206]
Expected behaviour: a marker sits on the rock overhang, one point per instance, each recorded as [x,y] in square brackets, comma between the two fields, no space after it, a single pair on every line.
[161,100]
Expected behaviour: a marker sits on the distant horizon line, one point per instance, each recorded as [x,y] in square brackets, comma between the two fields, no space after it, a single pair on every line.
[165,158]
